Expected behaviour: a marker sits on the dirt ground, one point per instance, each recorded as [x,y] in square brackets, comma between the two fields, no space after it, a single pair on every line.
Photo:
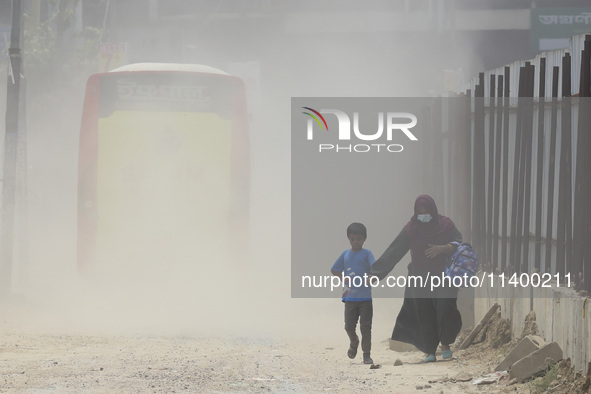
[41,351]
[184,332]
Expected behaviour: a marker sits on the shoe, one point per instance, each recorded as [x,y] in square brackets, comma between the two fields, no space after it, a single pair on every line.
[367,359]
[430,358]
[446,354]
[352,352]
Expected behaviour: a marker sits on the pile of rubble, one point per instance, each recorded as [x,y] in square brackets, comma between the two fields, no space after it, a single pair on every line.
[527,359]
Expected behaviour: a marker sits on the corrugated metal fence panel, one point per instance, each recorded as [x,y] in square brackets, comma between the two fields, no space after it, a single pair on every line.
[553,58]
[511,135]
[576,46]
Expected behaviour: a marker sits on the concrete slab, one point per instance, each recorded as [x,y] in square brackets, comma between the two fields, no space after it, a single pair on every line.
[526,346]
[536,362]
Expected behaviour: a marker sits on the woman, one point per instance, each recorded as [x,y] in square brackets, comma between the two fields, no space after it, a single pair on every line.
[427,317]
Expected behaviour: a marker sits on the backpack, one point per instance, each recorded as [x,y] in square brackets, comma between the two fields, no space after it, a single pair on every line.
[463,262]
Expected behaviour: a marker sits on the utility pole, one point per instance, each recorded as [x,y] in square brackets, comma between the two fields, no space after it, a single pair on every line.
[10,151]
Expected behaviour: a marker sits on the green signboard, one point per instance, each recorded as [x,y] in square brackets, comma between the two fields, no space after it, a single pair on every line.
[557,24]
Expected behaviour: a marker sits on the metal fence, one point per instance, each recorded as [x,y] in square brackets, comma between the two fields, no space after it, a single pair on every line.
[513,167]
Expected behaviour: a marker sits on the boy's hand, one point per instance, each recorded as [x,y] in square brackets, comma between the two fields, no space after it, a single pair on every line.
[436,250]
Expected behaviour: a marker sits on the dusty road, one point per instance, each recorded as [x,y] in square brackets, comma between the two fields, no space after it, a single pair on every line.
[73,363]
[302,349]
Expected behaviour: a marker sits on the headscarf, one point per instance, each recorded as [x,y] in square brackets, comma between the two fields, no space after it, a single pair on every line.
[435,232]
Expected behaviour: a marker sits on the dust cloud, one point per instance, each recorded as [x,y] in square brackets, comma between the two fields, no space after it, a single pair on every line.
[183,285]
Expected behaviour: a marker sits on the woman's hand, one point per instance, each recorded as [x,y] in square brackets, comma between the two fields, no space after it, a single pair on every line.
[436,250]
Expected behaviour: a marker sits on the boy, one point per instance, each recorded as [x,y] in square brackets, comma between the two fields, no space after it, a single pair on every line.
[355,263]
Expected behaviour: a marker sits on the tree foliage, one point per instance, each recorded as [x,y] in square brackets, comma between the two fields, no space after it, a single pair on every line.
[55,53]
[57,58]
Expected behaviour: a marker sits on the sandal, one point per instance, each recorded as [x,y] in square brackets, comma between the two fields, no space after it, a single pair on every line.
[446,354]
[430,358]
[352,352]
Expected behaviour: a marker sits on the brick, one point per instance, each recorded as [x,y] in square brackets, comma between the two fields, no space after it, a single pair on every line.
[526,346]
[536,361]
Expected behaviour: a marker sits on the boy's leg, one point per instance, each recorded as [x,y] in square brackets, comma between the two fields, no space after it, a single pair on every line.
[351,317]
[366,316]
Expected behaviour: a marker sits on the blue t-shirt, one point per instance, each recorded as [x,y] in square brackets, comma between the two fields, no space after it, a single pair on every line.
[355,264]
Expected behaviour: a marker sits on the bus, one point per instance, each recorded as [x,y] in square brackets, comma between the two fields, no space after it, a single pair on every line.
[164,164]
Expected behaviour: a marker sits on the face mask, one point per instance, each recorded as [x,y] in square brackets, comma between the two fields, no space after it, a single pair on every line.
[426,218]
